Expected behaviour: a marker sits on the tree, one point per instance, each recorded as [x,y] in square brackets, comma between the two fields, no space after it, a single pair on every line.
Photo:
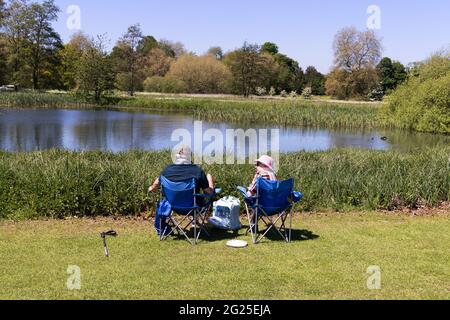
[216,52]
[33,45]
[315,81]
[422,102]
[173,49]
[16,34]
[357,84]
[270,47]
[201,74]
[391,74]
[290,75]
[355,50]
[2,12]
[156,63]
[95,72]
[3,51]
[44,41]
[147,44]
[3,60]
[70,58]
[356,55]
[127,60]
[248,68]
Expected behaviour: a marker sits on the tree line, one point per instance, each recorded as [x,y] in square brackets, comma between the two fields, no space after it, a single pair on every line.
[32,55]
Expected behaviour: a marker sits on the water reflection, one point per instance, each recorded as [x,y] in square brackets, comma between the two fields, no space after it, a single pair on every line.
[28,130]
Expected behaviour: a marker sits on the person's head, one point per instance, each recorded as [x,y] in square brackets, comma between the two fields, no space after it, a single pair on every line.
[183,155]
[265,163]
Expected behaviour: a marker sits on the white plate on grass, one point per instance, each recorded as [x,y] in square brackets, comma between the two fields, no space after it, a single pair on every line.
[237,244]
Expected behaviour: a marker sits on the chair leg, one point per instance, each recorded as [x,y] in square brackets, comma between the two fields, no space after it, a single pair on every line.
[290,226]
[272,226]
[255,234]
[178,226]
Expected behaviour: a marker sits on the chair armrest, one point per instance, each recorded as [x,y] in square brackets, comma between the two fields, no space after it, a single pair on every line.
[296,196]
[209,196]
[243,191]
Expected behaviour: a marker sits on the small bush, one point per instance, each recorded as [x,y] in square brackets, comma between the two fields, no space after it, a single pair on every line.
[260,91]
[307,93]
[272,91]
[423,102]
[165,85]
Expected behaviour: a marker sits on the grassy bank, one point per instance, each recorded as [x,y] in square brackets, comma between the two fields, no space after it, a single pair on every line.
[286,112]
[328,259]
[60,184]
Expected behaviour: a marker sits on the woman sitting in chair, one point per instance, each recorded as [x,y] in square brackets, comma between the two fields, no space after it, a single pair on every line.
[264,169]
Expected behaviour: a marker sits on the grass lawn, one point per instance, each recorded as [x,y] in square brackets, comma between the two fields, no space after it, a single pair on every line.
[328,260]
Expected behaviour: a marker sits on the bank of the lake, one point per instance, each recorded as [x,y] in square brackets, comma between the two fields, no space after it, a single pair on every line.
[60,184]
[282,112]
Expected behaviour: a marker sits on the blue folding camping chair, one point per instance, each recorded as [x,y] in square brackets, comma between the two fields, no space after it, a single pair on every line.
[185,202]
[273,204]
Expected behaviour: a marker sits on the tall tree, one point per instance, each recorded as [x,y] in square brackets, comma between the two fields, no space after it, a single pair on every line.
[356,55]
[156,63]
[71,55]
[173,49]
[3,52]
[216,52]
[147,44]
[44,41]
[2,12]
[355,50]
[3,60]
[127,58]
[33,44]
[391,73]
[95,71]
[315,80]
[248,68]
[16,33]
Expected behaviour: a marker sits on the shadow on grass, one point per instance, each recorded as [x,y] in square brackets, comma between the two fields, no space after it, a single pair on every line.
[220,235]
[297,235]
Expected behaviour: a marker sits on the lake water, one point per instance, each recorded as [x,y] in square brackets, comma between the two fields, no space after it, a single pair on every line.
[29,130]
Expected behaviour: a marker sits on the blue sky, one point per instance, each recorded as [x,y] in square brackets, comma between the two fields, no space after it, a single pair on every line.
[411,30]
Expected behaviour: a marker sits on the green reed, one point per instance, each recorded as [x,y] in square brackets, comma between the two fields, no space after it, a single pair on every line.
[287,112]
[61,183]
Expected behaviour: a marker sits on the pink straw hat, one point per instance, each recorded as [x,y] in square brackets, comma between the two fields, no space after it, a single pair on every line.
[267,161]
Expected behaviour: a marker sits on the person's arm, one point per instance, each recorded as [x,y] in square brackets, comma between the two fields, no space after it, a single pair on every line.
[211,189]
[252,188]
[155,186]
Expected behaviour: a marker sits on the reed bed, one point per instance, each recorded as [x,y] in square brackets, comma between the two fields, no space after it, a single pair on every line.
[288,112]
[60,184]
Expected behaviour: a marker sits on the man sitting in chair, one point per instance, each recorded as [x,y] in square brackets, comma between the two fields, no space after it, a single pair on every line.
[183,170]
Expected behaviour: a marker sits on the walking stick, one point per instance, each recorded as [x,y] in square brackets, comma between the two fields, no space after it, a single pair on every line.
[103,235]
